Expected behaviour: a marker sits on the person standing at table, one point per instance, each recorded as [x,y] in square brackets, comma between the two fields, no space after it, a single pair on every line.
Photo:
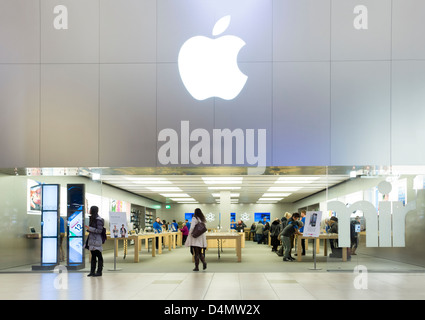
[290,230]
[185,232]
[303,214]
[197,245]
[157,228]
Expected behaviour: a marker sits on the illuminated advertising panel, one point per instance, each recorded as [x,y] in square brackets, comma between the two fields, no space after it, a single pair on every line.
[76,210]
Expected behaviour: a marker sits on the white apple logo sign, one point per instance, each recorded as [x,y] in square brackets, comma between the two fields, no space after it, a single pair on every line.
[209,68]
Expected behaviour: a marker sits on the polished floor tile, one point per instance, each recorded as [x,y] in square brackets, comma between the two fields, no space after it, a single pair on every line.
[212,286]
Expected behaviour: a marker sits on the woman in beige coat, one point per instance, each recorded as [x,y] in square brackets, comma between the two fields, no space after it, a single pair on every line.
[199,244]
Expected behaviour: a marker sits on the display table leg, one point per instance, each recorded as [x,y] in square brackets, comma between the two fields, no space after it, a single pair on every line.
[299,249]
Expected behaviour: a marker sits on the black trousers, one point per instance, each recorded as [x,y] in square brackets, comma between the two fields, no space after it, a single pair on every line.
[199,254]
[96,255]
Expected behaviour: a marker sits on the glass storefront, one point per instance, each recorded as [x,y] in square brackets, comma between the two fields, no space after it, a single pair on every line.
[379,210]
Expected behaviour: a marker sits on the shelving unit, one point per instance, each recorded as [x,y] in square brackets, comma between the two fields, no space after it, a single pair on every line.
[150,216]
[142,218]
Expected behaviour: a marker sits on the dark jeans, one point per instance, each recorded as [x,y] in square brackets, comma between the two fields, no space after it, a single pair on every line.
[96,254]
[274,242]
[259,238]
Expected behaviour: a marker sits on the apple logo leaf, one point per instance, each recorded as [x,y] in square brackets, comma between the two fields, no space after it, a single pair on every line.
[221,25]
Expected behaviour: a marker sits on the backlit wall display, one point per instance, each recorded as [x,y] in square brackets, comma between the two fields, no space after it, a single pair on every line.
[76,214]
[188,217]
[49,226]
[259,216]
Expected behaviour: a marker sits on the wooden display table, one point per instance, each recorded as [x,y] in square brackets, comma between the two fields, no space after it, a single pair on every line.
[323,236]
[226,243]
[220,236]
[171,239]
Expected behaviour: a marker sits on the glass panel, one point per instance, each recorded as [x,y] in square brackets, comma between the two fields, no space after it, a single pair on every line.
[379,216]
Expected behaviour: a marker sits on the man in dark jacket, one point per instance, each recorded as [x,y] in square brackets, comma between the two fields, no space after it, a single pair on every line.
[333,228]
[290,230]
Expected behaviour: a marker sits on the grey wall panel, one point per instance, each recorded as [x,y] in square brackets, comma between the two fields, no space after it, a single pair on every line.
[175,104]
[252,108]
[127,115]
[128,31]
[77,44]
[252,21]
[301,109]
[301,30]
[19,31]
[408,26]
[350,43]
[152,32]
[360,113]
[408,113]
[177,21]
[20,115]
[69,115]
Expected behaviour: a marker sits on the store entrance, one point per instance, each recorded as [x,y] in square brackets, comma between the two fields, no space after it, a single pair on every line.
[172,194]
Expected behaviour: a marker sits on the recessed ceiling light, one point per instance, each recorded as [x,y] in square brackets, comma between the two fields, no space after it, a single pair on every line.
[222,180]
[217,195]
[270,199]
[277,194]
[224,188]
[148,180]
[174,195]
[296,179]
[182,199]
[164,189]
[276,189]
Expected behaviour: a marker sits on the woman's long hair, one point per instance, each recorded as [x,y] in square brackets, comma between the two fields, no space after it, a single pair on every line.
[93,216]
[200,215]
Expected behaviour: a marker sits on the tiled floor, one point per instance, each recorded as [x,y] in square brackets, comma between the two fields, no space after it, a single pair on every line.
[261,275]
[213,286]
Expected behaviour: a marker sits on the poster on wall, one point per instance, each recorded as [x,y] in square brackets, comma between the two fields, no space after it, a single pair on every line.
[34,197]
[312,224]
[118,224]
[116,205]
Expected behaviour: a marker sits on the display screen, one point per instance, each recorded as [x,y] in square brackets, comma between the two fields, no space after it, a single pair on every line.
[50,197]
[75,197]
[188,216]
[76,250]
[75,224]
[50,224]
[50,250]
[233,216]
[259,216]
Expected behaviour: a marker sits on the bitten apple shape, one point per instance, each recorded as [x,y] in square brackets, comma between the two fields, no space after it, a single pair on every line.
[209,67]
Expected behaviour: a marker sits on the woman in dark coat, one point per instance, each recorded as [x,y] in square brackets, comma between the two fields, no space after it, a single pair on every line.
[94,242]
[274,232]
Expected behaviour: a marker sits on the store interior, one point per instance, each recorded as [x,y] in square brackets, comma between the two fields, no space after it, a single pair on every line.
[173,192]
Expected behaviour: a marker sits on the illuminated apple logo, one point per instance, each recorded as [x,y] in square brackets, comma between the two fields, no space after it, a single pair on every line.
[209,68]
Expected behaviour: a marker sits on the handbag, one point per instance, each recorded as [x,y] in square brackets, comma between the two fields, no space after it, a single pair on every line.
[199,229]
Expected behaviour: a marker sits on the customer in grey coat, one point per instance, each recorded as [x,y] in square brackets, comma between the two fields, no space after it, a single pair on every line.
[199,244]
[94,242]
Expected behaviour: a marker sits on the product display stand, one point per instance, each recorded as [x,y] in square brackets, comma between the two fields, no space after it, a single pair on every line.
[115,256]
[314,256]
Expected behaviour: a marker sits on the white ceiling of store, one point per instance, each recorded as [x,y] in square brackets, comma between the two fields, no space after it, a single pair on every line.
[244,189]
